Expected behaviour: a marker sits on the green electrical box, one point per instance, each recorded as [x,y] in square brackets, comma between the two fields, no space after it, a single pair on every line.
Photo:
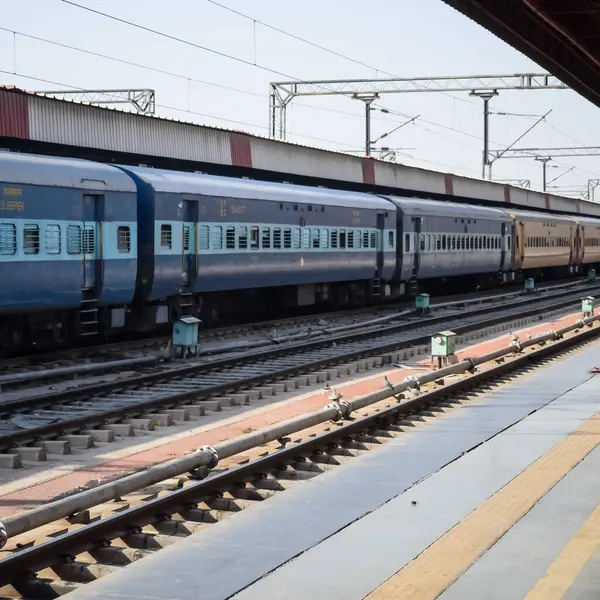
[529,285]
[591,276]
[443,344]
[422,302]
[587,305]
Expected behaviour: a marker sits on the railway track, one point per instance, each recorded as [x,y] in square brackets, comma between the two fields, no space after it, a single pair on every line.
[97,541]
[123,357]
[33,427]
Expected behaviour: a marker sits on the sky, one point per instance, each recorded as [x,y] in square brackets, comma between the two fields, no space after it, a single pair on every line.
[278,41]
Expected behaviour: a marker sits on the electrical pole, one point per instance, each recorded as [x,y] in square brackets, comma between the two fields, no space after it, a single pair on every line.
[486,96]
[544,160]
[368,99]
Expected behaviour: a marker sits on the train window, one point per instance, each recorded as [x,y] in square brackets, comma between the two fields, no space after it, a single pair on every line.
[203,237]
[342,239]
[243,237]
[166,239]
[325,238]
[123,239]
[306,238]
[266,237]
[217,237]
[407,242]
[315,237]
[88,240]
[31,239]
[443,242]
[508,242]
[229,238]
[373,239]
[422,241]
[276,238]
[334,238]
[8,239]
[287,238]
[391,239]
[351,239]
[186,238]
[365,239]
[254,238]
[73,239]
[296,238]
[52,242]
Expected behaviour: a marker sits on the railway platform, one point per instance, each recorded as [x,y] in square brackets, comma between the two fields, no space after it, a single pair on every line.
[497,499]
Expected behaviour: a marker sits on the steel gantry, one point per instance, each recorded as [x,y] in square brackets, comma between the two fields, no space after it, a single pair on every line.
[281,93]
[545,155]
[142,100]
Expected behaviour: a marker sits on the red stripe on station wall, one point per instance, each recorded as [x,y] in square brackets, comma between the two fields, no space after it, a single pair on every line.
[14,115]
[449,184]
[547,198]
[368,171]
[241,151]
[507,194]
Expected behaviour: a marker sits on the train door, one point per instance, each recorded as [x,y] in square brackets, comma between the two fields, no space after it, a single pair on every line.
[418,243]
[504,245]
[188,251]
[91,241]
[522,242]
[572,242]
[579,244]
[380,241]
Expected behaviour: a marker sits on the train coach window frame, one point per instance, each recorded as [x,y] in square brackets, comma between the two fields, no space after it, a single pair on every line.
[277,238]
[391,239]
[203,237]
[8,239]
[287,238]
[216,241]
[266,238]
[52,239]
[230,237]
[254,238]
[124,239]
[407,242]
[242,237]
[166,236]
[31,238]
[73,239]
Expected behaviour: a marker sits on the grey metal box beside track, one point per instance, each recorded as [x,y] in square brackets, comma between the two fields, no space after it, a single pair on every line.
[216,564]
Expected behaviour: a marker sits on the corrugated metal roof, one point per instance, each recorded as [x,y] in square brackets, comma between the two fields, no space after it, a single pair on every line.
[48,120]
[229,187]
[30,169]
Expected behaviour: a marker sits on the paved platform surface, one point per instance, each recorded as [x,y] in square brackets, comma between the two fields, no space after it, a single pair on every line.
[514,517]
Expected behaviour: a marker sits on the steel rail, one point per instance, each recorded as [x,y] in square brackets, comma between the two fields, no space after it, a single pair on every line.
[33,435]
[209,457]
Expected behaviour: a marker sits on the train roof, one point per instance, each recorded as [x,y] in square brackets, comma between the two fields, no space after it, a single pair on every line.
[33,169]
[418,206]
[211,185]
[533,216]
[587,221]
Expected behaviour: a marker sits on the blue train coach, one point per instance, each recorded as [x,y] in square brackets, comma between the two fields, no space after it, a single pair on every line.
[68,248]
[443,240]
[212,245]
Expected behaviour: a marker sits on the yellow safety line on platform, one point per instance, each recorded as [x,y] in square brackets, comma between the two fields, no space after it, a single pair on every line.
[568,564]
[436,568]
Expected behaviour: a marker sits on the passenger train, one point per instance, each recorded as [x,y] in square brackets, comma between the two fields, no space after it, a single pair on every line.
[89,249]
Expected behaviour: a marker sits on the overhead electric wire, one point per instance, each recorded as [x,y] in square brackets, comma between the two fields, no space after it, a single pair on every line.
[330,51]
